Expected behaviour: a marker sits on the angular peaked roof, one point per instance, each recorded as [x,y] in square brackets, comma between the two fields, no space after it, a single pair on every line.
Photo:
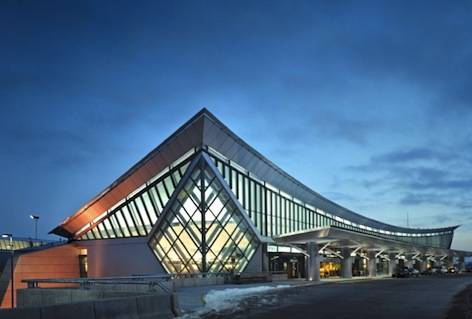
[201,131]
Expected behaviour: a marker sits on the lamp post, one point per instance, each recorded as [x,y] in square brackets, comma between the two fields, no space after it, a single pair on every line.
[10,236]
[35,218]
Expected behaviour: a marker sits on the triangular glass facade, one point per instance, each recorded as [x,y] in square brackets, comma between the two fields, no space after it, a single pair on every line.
[203,229]
[136,215]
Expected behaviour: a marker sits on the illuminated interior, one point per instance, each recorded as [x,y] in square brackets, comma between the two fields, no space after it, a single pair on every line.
[204,230]
[330,269]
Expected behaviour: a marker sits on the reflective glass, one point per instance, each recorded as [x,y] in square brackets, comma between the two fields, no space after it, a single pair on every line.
[137,215]
[213,237]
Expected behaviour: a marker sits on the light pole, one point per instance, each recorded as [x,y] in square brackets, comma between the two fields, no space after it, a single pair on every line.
[10,236]
[35,218]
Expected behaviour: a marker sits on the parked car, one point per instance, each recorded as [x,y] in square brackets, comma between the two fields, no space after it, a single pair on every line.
[453,270]
[440,270]
[427,272]
[414,272]
[468,267]
[401,273]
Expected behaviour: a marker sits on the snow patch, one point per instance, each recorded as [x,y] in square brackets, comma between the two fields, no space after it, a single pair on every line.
[218,300]
[226,299]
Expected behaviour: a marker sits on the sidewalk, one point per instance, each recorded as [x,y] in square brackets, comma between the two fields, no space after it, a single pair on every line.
[193,298]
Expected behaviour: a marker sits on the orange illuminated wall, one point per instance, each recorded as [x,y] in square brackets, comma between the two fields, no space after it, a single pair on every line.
[54,262]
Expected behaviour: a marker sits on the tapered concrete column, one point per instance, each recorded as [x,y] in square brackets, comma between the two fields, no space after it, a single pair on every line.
[461,263]
[313,269]
[265,258]
[450,261]
[440,261]
[392,264]
[372,264]
[409,263]
[346,263]
[424,264]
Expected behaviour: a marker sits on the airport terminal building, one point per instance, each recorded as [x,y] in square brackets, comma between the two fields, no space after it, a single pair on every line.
[204,201]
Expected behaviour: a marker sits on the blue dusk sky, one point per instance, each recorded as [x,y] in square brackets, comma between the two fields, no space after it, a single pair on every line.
[367,103]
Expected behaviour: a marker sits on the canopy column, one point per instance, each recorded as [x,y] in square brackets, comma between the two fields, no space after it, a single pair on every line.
[265,257]
[392,263]
[409,263]
[450,261]
[314,258]
[372,263]
[461,263]
[346,263]
[424,264]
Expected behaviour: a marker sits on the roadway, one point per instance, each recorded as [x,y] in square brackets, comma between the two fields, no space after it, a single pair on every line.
[426,297]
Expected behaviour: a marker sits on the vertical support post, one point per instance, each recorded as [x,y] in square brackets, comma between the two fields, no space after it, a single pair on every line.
[461,264]
[424,264]
[265,258]
[346,263]
[12,268]
[36,228]
[392,264]
[203,210]
[313,272]
[450,261]
[372,264]
[409,263]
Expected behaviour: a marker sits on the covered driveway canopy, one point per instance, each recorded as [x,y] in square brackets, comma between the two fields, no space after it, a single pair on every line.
[340,238]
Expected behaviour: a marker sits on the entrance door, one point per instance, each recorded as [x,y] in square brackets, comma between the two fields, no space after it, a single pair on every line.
[292,264]
[293,269]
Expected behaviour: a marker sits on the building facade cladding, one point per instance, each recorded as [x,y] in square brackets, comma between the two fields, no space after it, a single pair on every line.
[187,234]
[135,215]
[208,234]
[275,212]
[204,228]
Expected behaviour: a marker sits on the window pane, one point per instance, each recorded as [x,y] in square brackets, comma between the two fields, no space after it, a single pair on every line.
[109,229]
[150,208]
[143,213]
[136,218]
[116,226]
[129,220]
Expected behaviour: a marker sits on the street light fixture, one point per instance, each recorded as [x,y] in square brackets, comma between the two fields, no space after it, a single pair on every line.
[35,218]
[10,236]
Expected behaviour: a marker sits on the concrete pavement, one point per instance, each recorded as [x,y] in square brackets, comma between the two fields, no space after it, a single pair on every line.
[428,298]
[191,299]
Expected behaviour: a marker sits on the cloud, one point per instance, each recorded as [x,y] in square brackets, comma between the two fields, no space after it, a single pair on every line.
[56,148]
[409,44]
[418,199]
[413,154]
[330,125]
[442,219]
[442,184]
[429,198]
[420,176]
[338,196]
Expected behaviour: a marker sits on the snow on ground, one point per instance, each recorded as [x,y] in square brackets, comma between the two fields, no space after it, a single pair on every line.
[229,299]
[218,300]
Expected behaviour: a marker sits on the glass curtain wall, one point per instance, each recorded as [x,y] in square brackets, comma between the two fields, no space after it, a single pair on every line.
[135,216]
[20,243]
[272,211]
[203,230]
[275,212]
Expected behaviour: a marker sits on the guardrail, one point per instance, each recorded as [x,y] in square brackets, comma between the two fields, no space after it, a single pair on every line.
[150,280]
